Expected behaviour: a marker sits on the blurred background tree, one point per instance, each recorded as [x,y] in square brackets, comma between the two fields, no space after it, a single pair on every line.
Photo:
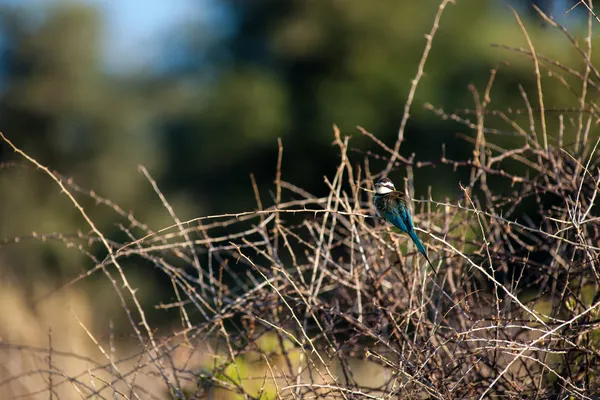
[208,111]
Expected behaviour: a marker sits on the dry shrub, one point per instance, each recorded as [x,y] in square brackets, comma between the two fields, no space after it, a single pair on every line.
[313,297]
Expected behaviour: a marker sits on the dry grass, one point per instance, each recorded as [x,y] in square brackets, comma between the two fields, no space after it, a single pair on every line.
[312,297]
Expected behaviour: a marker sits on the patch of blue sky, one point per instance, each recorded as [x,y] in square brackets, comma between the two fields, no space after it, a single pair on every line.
[138,34]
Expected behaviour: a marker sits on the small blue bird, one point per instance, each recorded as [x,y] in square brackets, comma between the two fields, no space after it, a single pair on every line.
[391,206]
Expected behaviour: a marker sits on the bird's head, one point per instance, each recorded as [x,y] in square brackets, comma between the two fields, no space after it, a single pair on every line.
[384,185]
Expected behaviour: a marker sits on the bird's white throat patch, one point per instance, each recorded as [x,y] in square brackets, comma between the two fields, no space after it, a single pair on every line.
[384,189]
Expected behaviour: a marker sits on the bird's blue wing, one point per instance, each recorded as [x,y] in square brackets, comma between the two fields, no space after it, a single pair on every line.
[400,218]
[403,220]
[398,213]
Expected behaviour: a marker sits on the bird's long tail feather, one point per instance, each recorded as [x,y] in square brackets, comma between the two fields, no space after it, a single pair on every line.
[421,248]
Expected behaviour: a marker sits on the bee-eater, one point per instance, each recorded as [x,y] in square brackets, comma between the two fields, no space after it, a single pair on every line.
[391,206]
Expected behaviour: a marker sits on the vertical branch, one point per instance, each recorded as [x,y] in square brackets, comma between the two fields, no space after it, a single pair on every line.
[584,81]
[257,197]
[277,196]
[415,83]
[50,382]
[538,78]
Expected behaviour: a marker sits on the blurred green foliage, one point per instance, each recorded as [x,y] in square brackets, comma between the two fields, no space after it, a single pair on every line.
[289,69]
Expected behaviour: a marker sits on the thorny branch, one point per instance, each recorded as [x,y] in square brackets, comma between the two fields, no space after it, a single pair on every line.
[305,297]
